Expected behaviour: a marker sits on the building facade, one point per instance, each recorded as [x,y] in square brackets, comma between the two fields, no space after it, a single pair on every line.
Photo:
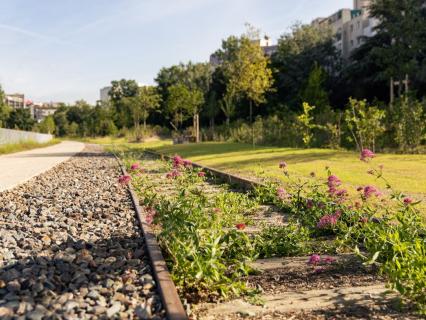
[350,27]
[15,101]
[104,94]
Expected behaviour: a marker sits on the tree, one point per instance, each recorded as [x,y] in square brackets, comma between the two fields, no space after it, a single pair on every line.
[47,125]
[246,70]
[20,119]
[297,54]
[119,90]
[313,93]
[140,106]
[227,104]
[4,108]
[365,123]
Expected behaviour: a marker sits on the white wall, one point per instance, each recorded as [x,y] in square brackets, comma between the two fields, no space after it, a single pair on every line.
[15,136]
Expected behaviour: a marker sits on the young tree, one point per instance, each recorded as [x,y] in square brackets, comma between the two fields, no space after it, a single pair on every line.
[4,109]
[140,106]
[47,125]
[313,93]
[247,71]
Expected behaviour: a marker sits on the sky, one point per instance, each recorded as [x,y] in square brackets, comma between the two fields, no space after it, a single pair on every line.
[68,50]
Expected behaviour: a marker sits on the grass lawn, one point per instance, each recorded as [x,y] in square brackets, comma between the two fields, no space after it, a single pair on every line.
[22,146]
[123,142]
[406,173]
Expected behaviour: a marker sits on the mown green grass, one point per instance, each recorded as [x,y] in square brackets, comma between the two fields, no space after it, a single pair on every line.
[22,146]
[406,173]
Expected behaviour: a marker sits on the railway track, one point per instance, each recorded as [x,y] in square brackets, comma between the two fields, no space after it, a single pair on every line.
[287,287]
[72,247]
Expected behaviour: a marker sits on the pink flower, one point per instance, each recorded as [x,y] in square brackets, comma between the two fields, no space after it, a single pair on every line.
[134,167]
[150,215]
[177,161]
[309,204]
[314,259]
[327,220]
[333,181]
[125,179]
[240,226]
[408,201]
[216,210]
[173,174]
[283,164]
[369,191]
[338,214]
[187,163]
[366,155]
[341,193]
[282,194]
[329,260]
[201,174]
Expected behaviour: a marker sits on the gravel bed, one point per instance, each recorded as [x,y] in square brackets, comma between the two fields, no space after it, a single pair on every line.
[72,248]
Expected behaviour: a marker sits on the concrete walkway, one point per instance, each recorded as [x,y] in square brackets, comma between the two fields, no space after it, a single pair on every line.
[17,168]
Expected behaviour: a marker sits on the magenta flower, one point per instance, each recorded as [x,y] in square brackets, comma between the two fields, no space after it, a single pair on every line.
[314,259]
[173,174]
[366,155]
[201,174]
[240,226]
[177,161]
[150,215]
[309,204]
[327,220]
[329,260]
[333,181]
[283,164]
[282,194]
[187,163]
[408,201]
[369,191]
[125,179]
[134,166]
[341,193]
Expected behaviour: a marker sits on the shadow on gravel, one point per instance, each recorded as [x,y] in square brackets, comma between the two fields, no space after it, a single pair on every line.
[80,278]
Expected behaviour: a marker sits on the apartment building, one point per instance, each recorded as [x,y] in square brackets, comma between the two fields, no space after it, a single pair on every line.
[350,27]
[41,110]
[265,43]
[15,100]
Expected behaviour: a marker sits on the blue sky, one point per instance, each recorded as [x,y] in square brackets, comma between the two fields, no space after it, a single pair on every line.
[68,49]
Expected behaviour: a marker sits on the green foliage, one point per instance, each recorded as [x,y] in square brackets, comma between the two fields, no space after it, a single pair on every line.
[283,241]
[306,125]
[313,93]
[4,109]
[20,119]
[409,123]
[364,123]
[47,125]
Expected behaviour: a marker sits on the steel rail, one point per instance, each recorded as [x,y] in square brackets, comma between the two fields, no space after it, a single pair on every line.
[165,285]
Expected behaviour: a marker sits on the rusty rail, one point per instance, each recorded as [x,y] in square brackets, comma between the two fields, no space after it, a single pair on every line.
[229,178]
[165,285]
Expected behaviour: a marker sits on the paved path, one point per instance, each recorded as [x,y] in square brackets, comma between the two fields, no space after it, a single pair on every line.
[19,167]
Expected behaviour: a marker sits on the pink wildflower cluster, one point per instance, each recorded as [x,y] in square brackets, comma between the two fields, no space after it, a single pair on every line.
[173,174]
[366,155]
[333,183]
[408,201]
[329,220]
[125,179]
[150,215]
[369,191]
[309,204]
[135,166]
[282,194]
[177,161]
[315,259]
[282,165]
[201,174]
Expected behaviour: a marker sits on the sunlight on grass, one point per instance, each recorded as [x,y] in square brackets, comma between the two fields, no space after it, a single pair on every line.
[22,146]
[407,173]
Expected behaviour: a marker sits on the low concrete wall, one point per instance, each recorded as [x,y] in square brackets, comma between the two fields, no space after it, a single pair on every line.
[14,136]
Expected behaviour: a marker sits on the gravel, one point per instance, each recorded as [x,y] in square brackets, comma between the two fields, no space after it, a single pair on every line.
[72,247]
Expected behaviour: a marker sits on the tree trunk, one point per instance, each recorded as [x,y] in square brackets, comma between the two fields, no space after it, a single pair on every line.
[251,123]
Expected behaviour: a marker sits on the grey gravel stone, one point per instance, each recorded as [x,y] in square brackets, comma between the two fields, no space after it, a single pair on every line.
[72,247]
